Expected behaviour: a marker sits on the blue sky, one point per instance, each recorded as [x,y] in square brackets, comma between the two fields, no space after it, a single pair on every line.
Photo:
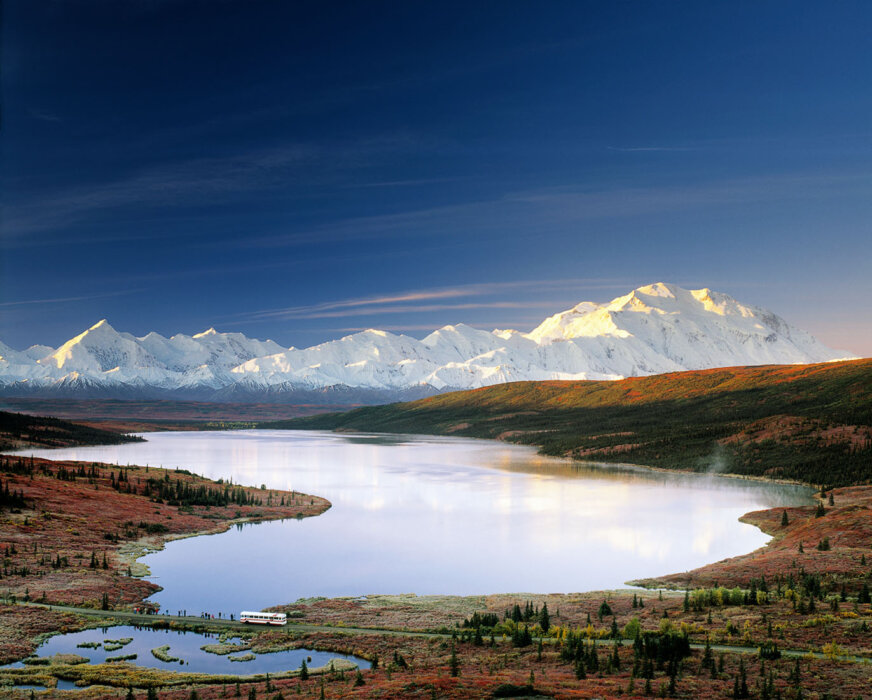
[302,170]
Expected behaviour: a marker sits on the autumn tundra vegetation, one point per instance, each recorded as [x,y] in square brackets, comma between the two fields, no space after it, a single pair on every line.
[790,620]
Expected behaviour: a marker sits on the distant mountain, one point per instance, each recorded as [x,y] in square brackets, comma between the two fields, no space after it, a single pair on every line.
[654,329]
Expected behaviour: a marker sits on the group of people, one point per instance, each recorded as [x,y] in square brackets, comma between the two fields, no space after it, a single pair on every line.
[204,615]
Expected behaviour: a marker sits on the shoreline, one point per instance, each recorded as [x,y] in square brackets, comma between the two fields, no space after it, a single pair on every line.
[130,553]
[378,626]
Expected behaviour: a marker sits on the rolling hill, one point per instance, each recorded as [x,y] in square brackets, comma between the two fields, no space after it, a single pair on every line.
[810,423]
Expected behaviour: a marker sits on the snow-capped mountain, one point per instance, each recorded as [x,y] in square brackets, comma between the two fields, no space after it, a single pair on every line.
[653,329]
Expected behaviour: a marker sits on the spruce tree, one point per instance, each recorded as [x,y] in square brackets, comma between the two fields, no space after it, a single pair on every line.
[453,665]
[544,619]
[743,680]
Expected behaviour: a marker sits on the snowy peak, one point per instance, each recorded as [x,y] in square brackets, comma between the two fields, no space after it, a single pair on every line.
[656,328]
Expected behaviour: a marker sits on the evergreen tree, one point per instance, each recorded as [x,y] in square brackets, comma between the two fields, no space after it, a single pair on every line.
[544,619]
[743,680]
[453,665]
[784,521]
[707,658]
[304,671]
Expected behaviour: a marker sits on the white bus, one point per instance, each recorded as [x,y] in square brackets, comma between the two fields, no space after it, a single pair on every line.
[262,618]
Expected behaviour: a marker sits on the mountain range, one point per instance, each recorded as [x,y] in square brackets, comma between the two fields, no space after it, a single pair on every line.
[654,329]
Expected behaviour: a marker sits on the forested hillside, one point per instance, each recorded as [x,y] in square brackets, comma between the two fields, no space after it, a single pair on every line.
[18,431]
[810,423]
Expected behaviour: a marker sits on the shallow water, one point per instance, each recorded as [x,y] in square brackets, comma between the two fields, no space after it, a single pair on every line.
[184,646]
[433,515]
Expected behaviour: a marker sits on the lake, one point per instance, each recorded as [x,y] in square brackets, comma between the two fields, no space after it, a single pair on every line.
[436,515]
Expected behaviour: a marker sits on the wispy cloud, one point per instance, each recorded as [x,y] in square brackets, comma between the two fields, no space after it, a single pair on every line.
[645,149]
[417,309]
[199,181]
[414,301]
[349,305]
[406,183]
[44,115]
[172,184]
[64,300]
[399,328]
[535,210]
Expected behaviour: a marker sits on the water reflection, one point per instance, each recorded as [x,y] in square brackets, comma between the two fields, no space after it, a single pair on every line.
[438,515]
[184,647]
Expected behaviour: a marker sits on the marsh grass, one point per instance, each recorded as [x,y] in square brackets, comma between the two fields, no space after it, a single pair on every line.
[123,675]
[162,653]
[222,649]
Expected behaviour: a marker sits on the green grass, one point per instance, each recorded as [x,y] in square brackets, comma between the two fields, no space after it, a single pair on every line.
[681,420]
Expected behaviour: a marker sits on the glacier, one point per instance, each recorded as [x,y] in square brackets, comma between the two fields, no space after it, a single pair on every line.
[654,329]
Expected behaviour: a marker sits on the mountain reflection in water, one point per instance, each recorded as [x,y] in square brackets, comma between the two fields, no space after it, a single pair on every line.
[437,515]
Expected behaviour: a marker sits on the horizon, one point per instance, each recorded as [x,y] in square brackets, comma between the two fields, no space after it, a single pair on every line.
[301,172]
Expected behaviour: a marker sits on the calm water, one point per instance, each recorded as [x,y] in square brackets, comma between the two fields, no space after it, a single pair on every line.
[424,515]
[184,646]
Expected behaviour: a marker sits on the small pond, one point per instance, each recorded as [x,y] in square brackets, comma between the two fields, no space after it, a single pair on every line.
[99,644]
